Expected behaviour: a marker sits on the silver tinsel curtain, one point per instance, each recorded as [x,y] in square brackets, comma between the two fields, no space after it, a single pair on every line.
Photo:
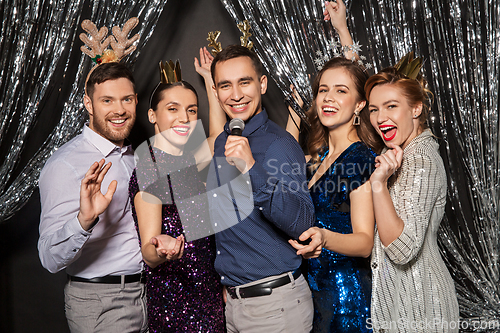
[460,41]
[38,36]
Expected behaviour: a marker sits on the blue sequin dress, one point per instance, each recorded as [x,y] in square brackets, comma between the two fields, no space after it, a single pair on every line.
[183,295]
[341,285]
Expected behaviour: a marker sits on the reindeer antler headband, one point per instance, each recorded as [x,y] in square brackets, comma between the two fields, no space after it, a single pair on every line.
[245,30]
[97,41]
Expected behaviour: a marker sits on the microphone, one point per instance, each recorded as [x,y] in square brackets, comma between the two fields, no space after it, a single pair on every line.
[236,125]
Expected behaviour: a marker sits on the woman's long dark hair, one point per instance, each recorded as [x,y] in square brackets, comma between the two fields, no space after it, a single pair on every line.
[318,134]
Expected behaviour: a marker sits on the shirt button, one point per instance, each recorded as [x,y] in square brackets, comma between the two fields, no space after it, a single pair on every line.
[218,252]
[215,195]
[74,250]
[222,278]
[374,265]
[215,224]
[219,166]
[260,208]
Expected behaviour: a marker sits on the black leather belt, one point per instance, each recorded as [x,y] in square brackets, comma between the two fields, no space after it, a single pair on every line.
[109,279]
[264,288]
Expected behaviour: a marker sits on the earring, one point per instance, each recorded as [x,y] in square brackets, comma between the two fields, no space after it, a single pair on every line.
[415,116]
[356,121]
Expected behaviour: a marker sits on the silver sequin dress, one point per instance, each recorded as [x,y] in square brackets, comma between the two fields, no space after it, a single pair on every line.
[412,288]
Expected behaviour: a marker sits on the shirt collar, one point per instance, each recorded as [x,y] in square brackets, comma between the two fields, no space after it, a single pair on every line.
[252,124]
[102,144]
[425,135]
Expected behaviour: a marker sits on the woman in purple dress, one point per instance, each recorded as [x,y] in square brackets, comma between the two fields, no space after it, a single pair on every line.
[184,292]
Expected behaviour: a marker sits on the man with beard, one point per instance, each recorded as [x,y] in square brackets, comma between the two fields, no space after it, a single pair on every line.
[89,233]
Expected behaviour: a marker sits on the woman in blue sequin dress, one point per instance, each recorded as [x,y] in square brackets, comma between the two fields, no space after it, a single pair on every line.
[338,173]
[338,269]
[183,289]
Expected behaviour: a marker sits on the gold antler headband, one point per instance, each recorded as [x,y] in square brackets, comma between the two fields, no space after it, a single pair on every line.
[409,66]
[212,38]
[244,28]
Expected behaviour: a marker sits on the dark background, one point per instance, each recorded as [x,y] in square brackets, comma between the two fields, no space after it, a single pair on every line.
[31,298]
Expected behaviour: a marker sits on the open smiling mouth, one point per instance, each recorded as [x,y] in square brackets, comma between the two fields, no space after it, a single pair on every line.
[388,132]
[182,131]
[117,122]
[239,107]
[328,110]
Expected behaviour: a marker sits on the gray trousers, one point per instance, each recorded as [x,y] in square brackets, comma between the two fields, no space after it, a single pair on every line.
[96,307]
[288,309]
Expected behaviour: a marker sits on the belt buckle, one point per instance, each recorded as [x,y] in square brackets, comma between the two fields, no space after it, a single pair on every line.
[144,277]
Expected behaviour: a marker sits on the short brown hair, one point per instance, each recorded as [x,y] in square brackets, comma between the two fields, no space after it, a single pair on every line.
[236,51]
[105,72]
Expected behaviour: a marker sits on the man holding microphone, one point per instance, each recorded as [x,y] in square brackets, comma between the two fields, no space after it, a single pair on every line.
[265,289]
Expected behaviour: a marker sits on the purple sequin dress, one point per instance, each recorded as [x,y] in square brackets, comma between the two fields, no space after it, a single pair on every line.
[183,295]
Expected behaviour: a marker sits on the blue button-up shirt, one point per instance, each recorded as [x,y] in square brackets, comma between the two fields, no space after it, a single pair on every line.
[257,245]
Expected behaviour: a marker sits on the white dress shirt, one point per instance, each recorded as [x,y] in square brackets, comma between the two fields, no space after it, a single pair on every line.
[111,247]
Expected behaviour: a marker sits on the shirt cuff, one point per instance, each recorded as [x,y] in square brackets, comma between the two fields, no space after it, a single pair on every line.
[77,229]
[400,249]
